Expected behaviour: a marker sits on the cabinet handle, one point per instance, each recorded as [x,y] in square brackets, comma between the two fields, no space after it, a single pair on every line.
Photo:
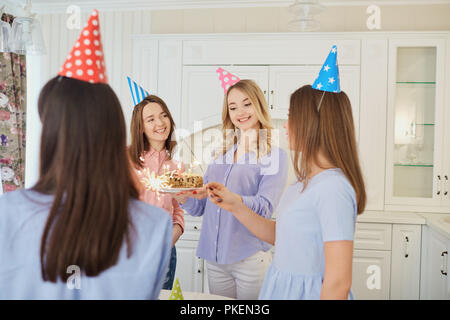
[444,264]
[271,105]
[195,228]
[446,185]
[439,185]
[406,247]
[199,265]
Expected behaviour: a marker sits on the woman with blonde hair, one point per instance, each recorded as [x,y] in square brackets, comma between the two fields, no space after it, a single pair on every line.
[313,233]
[249,165]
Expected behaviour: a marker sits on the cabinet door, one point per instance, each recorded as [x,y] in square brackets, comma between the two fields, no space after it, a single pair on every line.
[284,80]
[405,270]
[371,274]
[203,94]
[415,122]
[189,267]
[434,273]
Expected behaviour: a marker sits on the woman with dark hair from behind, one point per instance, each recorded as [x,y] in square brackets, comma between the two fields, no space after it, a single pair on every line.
[80,232]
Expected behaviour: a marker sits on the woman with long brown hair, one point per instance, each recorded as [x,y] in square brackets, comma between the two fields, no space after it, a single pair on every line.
[152,147]
[313,233]
[80,232]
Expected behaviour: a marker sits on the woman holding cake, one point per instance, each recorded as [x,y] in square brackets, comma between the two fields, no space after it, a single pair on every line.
[313,233]
[152,147]
[249,165]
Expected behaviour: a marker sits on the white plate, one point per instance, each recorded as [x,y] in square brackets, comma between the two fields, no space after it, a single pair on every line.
[176,190]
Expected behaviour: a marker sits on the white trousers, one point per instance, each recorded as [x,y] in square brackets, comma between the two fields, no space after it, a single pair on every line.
[242,280]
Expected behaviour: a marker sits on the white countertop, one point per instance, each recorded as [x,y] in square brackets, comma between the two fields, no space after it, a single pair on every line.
[438,221]
[391,217]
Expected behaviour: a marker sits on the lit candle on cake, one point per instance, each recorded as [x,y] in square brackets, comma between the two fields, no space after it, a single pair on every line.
[179,168]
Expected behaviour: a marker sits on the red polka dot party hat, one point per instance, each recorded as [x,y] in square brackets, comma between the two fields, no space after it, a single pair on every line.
[86,61]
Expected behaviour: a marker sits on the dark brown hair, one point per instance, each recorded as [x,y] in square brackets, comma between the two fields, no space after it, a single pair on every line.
[139,142]
[84,164]
[329,130]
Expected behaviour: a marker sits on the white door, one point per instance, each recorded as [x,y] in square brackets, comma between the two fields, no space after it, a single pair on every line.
[189,267]
[284,80]
[371,274]
[405,270]
[203,94]
[434,274]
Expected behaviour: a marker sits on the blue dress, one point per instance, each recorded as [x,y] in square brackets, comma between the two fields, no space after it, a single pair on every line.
[325,211]
[23,215]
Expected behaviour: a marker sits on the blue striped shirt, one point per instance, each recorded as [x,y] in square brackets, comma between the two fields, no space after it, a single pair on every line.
[223,238]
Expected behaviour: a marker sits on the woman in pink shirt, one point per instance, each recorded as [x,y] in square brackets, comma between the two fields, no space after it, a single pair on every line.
[152,147]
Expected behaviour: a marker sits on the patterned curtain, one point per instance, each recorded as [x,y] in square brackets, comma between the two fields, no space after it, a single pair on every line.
[12,118]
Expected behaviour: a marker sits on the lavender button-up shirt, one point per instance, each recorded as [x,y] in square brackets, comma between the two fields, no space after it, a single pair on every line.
[223,238]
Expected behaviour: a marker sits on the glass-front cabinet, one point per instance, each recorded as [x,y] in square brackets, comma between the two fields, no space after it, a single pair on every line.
[415,138]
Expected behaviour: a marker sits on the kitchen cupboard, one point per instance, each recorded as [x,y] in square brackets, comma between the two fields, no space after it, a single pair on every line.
[386,261]
[435,282]
[416,173]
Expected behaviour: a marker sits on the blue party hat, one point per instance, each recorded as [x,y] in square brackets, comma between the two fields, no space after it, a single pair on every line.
[137,92]
[328,79]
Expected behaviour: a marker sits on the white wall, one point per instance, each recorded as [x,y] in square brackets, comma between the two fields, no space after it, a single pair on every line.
[115,28]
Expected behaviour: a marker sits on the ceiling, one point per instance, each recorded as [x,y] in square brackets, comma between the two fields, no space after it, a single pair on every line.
[42,6]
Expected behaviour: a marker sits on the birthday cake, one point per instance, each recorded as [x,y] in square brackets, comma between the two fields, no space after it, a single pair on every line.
[183,180]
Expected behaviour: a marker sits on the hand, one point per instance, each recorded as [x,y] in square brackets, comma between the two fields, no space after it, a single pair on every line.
[198,194]
[223,198]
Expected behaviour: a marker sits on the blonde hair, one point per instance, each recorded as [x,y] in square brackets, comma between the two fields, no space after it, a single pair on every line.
[258,100]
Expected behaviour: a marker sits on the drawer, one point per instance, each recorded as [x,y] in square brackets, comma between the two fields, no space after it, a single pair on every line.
[373,236]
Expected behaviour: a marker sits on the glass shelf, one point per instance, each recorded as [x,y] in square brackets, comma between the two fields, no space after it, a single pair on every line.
[413,165]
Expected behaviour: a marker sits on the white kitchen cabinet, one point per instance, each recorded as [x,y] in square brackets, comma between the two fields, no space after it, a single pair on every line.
[386,261]
[405,262]
[203,96]
[371,271]
[371,274]
[284,80]
[190,268]
[434,282]
[415,175]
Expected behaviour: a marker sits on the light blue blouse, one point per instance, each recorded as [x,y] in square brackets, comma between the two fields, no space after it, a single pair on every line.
[23,215]
[325,211]
[223,239]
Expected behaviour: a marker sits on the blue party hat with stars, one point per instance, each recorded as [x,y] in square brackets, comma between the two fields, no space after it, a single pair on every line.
[328,79]
[137,92]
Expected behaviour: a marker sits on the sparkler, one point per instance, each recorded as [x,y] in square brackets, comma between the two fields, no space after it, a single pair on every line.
[153,182]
